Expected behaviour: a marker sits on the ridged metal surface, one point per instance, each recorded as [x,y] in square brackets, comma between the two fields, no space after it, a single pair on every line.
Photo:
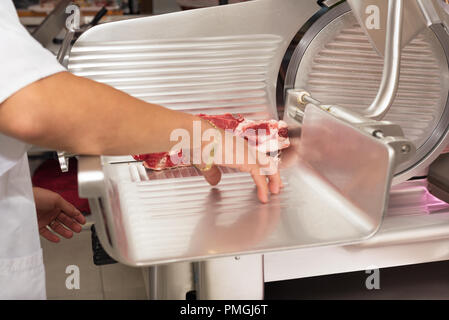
[175,214]
[197,75]
[152,205]
[138,173]
[415,230]
[346,70]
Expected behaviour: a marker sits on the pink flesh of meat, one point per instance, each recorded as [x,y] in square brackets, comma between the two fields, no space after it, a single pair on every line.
[266,135]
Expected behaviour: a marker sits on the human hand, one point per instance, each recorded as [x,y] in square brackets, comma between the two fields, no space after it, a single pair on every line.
[56,214]
[246,159]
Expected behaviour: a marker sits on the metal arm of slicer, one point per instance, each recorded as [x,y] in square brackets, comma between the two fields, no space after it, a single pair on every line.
[65,45]
[392,61]
[390,133]
[63,156]
[368,121]
[390,75]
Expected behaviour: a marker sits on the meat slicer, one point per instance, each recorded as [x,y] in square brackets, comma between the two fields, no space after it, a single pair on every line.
[363,85]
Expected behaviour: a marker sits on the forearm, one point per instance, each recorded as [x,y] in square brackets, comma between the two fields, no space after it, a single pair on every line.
[83,116]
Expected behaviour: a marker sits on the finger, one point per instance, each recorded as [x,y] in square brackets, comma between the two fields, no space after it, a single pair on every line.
[47,234]
[69,222]
[58,228]
[270,169]
[71,211]
[213,175]
[261,184]
[275,183]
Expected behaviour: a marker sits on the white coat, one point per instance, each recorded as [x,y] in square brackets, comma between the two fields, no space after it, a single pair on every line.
[22,61]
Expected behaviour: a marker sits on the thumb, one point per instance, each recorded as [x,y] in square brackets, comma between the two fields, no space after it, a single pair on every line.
[213,175]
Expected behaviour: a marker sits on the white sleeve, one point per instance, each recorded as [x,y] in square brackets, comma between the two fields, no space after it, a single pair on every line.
[22,59]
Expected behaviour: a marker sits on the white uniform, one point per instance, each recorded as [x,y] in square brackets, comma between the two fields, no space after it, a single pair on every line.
[22,61]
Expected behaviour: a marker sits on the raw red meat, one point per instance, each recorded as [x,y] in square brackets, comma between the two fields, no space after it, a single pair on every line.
[274,137]
[157,161]
[224,121]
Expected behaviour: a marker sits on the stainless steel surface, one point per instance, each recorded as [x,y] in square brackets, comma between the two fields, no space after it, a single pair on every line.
[175,215]
[337,64]
[390,133]
[330,3]
[367,11]
[415,230]
[236,278]
[52,24]
[92,176]
[170,281]
[216,60]
[63,161]
[392,62]
[432,12]
[65,47]
[438,177]
[63,156]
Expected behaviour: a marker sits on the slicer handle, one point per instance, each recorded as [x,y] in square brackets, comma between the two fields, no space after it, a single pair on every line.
[90,177]
[63,161]
[63,156]
[392,63]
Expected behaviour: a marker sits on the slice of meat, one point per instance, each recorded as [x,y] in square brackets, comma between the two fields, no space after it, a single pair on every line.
[159,161]
[224,121]
[265,135]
